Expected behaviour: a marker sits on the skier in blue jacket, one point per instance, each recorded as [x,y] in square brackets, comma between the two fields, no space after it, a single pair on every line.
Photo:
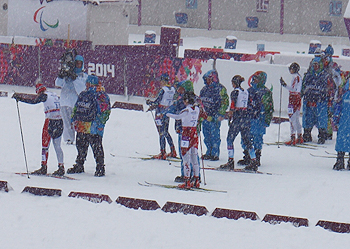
[342,120]
[261,112]
[215,101]
[315,92]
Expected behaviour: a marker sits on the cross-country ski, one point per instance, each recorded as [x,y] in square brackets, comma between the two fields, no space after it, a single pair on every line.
[169,186]
[64,177]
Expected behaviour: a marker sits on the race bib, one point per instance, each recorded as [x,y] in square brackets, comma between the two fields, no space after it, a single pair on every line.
[158,121]
[185,142]
[290,109]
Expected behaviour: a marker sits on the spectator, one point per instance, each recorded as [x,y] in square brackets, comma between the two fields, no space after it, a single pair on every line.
[90,115]
[72,84]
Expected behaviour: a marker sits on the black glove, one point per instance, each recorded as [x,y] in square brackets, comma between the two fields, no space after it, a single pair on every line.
[148,102]
[16,97]
[282,82]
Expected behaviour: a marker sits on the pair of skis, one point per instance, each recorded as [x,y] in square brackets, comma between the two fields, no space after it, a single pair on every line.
[151,157]
[169,186]
[242,170]
[64,177]
[310,146]
[328,155]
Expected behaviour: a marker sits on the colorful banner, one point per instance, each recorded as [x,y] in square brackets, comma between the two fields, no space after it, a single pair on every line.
[116,66]
[47,19]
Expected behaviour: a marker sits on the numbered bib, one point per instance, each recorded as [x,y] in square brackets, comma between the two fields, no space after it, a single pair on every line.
[158,120]
[185,142]
[290,109]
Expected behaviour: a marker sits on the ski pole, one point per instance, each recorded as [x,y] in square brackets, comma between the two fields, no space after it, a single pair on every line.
[200,142]
[279,119]
[24,149]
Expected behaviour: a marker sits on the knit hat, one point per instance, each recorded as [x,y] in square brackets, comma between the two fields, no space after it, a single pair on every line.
[92,79]
[186,84]
[39,88]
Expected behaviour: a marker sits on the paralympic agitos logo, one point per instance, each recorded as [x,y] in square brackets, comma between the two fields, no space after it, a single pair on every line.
[38,18]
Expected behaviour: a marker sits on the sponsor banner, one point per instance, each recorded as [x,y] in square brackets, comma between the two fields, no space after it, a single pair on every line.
[47,19]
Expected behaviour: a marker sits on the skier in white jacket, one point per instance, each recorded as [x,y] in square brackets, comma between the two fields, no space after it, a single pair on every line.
[71,88]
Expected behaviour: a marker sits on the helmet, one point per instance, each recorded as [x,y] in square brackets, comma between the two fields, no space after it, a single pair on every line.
[237,79]
[294,66]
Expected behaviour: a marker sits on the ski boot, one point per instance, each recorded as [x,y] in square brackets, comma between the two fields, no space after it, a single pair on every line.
[230,165]
[292,141]
[41,171]
[322,135]
[300,139]
[246,158]
[253,166]
[307,135]
[339,164]
[258,156]
[76,169]
[214,158]
[172,153]
[59,171]
[195,183]
[186,184]
[100,170]
[160,156]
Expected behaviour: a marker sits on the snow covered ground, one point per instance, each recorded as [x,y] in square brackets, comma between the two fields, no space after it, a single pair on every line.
[302,186]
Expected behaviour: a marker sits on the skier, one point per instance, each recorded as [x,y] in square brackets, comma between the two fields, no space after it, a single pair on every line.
[315,92]
[215,101]
[294,104]
[90,115]
[341,119]
[334,80]
[239,121]
[182,87]
[261,112]
[189,139]
[72,81]
[164,99]
[53,126]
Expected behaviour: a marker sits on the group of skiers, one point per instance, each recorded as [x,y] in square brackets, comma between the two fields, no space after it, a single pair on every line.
[250,113]
[323,91]
[83,107]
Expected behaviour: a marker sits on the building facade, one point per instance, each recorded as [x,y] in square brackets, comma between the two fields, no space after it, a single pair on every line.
[108,22]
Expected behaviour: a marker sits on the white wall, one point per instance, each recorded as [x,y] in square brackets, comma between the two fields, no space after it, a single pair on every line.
[228,68]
